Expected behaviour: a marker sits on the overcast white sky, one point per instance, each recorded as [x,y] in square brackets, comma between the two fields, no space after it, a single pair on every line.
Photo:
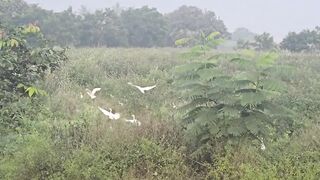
[277,17]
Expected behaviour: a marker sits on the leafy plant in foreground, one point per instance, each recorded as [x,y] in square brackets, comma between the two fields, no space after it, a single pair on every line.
[225,105]
[203,43]
[25,57]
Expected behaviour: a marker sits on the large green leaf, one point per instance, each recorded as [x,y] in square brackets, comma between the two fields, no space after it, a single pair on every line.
[267,59]
[230,111]
[186,68]
[253,124]
[273,85]
[32,91]
[197,102]
[252,98]
[208,74]
[236,127]
[243,63]
[247,75]
[248,53]
[273,109]
[182,42]
[213,35]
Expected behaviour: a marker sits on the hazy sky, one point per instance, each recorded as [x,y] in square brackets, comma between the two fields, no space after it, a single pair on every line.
[277,17]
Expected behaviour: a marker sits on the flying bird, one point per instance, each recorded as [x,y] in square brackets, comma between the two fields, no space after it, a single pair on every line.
[112,116]
[93,92]
[142,89]
[133,121]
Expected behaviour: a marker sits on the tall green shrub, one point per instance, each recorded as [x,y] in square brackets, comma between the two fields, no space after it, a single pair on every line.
[25,57]
[234,103]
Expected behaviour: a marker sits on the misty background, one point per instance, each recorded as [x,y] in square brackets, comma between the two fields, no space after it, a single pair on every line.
[273,16]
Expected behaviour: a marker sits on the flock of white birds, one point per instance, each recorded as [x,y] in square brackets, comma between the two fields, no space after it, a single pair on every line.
[116,116]
[134,121]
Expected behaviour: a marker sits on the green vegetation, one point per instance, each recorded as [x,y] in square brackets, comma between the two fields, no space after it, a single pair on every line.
[233,105]
[25,59]
[262,42]
[305,41]
[63,136]
[245,114]
[242,34]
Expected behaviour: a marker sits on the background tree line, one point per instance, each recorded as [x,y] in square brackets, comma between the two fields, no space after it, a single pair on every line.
[143,27]
[112,27]
[305,41]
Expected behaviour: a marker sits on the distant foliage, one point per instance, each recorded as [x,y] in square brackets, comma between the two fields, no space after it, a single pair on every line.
[262,42]
[146,27]
[101,28]
[242,34]
[305,41]
[113,27]
[190,21]
[242,44]
[10,10]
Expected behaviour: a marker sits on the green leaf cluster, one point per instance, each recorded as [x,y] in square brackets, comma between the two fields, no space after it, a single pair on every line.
[25,57]
[228,105]
[204,43]
[31,91]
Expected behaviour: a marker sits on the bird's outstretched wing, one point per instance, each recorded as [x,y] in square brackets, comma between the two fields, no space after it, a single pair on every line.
[95,90]
[149,87]
[105,112]
[138,87]
[89,94]
[142,89]
[110,115]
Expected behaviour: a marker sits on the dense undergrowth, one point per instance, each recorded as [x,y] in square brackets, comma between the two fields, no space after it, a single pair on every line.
[64,136]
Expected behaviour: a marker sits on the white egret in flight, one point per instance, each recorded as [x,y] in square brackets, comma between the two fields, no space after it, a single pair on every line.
[112,116]
[93,92]
[133,121]
[142,89]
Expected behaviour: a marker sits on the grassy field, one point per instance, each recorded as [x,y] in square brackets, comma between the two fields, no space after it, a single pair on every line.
[67,137]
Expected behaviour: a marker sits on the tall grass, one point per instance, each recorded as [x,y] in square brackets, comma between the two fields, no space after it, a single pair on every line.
[64,136]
